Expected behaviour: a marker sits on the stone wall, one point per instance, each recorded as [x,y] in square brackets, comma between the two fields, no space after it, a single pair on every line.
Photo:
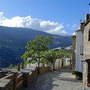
[5,84]
[15,83]
[2,74]
[86,51]
[59,63]
[73,53]
[29,77]
[19,82]
[21,79]
[11,77]
[44,70]
[85,65]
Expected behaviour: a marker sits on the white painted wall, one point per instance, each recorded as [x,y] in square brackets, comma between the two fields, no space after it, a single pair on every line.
[33,65]
[79,51]
[58,63]
[66,61]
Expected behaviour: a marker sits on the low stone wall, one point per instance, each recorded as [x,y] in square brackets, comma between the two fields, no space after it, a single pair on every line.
[58,64]
[11,77]
[2,74]
[5,84]
[16,81]
[19,82]
[44,70]
[23,78]
[29,77]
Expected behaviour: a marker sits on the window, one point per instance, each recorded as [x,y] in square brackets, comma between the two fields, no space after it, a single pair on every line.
[89,36]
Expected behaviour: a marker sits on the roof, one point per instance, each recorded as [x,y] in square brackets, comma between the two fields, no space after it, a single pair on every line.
[74,36]
[87,22]
[78,30]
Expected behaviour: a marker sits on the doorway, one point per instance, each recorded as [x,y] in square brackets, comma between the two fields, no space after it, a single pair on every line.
[88,73]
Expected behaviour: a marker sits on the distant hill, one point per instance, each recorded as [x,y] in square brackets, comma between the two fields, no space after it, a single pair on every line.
[14,40]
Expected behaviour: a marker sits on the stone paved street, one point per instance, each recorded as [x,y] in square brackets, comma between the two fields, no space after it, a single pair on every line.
[57,80]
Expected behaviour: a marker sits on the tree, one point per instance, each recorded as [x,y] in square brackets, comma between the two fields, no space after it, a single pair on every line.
[51,57]
[36,48]
[11,66]
[68,54]
[61,54]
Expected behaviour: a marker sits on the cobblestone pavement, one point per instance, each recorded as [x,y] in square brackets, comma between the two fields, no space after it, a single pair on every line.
[57,80]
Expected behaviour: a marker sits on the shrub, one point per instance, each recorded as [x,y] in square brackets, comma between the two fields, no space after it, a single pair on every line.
[78,75]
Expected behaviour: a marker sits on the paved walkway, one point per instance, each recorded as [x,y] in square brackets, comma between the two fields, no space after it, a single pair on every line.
[57,80]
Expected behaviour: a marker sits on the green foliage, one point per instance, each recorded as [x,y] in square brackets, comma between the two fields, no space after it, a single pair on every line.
[11,66]
[62,53]
[36,48]
[68,54]
[40,44]
[78,75]
[50,56]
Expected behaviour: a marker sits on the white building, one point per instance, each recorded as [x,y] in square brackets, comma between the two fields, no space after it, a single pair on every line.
[79,50]
[82,53]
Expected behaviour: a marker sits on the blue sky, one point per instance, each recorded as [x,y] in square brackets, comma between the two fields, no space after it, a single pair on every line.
[62,15]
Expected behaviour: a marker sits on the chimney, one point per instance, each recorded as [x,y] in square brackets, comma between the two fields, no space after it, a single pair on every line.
[87,17]
[81,25]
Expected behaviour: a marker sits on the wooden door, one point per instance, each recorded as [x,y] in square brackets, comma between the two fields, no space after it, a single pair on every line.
[88,73]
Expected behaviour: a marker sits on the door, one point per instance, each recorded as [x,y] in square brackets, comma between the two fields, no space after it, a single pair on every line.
[88,73]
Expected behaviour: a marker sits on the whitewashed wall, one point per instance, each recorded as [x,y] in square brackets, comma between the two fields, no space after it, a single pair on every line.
[58,64]
[66,62]
[33,65]
[79,51]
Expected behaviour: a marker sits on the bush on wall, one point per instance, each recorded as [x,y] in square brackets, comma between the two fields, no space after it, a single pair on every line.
[78,75]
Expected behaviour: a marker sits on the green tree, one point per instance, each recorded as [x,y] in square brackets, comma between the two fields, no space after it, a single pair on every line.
[61,53]
[50,56]
[68,54]
[11,66]
[36,48]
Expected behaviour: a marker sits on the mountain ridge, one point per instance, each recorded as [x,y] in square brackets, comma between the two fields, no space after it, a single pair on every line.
[13,41]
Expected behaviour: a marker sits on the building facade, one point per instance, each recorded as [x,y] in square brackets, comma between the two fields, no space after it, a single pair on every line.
[82,54]
[73,53]
[79,50]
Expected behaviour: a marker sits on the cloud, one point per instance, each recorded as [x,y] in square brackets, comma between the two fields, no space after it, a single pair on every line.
[34,23]
[73,26]
[1,13]
[68,25]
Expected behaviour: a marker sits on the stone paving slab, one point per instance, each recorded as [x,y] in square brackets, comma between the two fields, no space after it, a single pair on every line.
[57,80]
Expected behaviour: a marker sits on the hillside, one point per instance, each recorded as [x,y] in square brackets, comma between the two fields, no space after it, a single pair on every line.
[14,40]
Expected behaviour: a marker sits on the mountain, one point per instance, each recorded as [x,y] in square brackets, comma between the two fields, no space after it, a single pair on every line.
[14,40]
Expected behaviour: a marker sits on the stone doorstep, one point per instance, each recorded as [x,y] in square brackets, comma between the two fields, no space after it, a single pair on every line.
[4,83]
